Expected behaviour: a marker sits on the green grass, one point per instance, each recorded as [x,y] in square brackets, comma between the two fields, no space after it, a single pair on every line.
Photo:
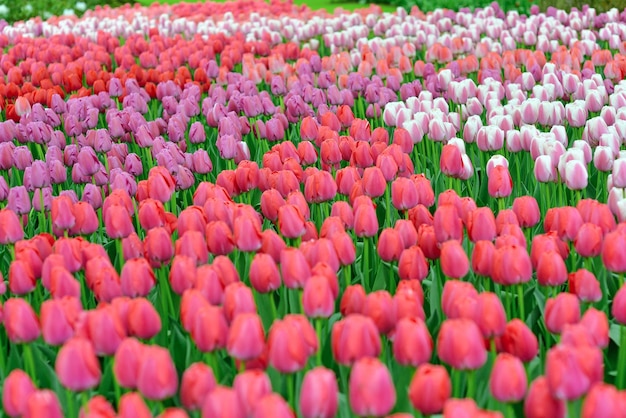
[328,5]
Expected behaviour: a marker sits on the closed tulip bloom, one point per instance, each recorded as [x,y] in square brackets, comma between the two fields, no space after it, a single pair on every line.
[17,387]
[77,366]
[412,343]
[143,319]
[137,278]
[58,318]
[518,340]
[379,306]
[320,187]
[561,310]
[500,183]
[128,358]
[151,214]
[345,248]
[527,211]
[86,219]
[597,323]
[460,344]
[603,400]
[551,269]
[157,378]
[21,278]
[272,405]
[219,238]
[540,403]
[454,262]
[404,194]
[197,382]
[20,321]
[508,381]
[619,173]
[490,315]
[133,405]
[511,265]
[158,247]
[290,342]
[353,300]
[161,184]
[585,286]
[365,221]
[264,275]
[62,213]
[106,329]
[43,403]
[412,264]
[222,402]
[210,329]
[460,408]
[371,392]
[390,245]
[318,299]
[118,222]
[448,224]
[409,301]
[588,241]
[482,258]
[291,221]
[430,389]
[246,338]
[238,299]
[451,161]
[481,225]
[572,371]
[576,176]
[250,386]
[11,229]
[353,338]
[613,258]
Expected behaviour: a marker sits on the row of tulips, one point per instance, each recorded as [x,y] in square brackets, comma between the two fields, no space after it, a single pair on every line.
[201,218]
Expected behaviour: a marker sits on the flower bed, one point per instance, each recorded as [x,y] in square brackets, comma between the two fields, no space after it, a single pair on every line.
[254,209]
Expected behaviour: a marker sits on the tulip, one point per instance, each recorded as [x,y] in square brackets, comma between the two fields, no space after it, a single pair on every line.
[197,382]
[143,319]
[371,389]
[508,382]
[561,310]
[448,224]
[353,338]
[210,329]
[11,229]
[20,321]
[571,371]
[612,257]
[468,355]
[390,245]
[588,241]
[43,403]
[603,400]
[500,183]
[251,386]
[290,342]
[127,362]
[454,262]
[137,277]
[412,343]
[132,405]
[17,388]
[161,184]
[246,338]
[272,405]
[319,394]
[222,402]
[264,275]
[430,389]
[412,264]
[540,403]
[551,269]
[318,299]
[481,225]
[76,365]
[157,378]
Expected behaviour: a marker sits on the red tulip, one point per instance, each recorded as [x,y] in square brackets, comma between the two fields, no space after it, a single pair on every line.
[352,300]
[137,277]
[222,402]
[518,340]
[584,284]
[412,264]
[210,329]
[481,225]
[143,319]
[272,405]
[508,381]
[117,222]
[500,183]
[365,221]
[247,233]
[613,258]
[412,343]
[43,403]
[448,224]
[62,213]
[551,269]
[490,315]
[128,358]
[58,319]
[527,211]
[20,321]
[430,389]
[290,342]
[318,299]
[571,371]
[511,265]
[561,310]
[251,386]
[17,387]
[454,262]
[291,222]
[132,405]
[372,392]
[460,344]
[21,278]
[390,245]
[197,382]
[238,299]
[157,378]
[264,275]
[404,194]
[11,229]
[597,323]
[246,338]
[219,238]
[603,400]
[161,184]
[105,329]
[353,338]
[588,241]
[158,247]
[540,403]
[76,365]
[319,394]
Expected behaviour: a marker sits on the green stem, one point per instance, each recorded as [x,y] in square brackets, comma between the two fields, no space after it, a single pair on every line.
[290,390]
[520,301]
[318,330]
[120,254]
[621,360]
[29,362]
[211,359]
[71,403]
[471,384]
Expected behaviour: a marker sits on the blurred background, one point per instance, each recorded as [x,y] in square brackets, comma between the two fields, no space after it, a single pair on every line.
[15,10]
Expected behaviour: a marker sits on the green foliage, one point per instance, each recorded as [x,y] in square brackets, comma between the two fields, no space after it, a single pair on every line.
[522,6]
[599,5]
[12,10]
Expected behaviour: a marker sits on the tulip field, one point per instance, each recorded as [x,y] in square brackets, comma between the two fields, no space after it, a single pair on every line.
[255,209]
